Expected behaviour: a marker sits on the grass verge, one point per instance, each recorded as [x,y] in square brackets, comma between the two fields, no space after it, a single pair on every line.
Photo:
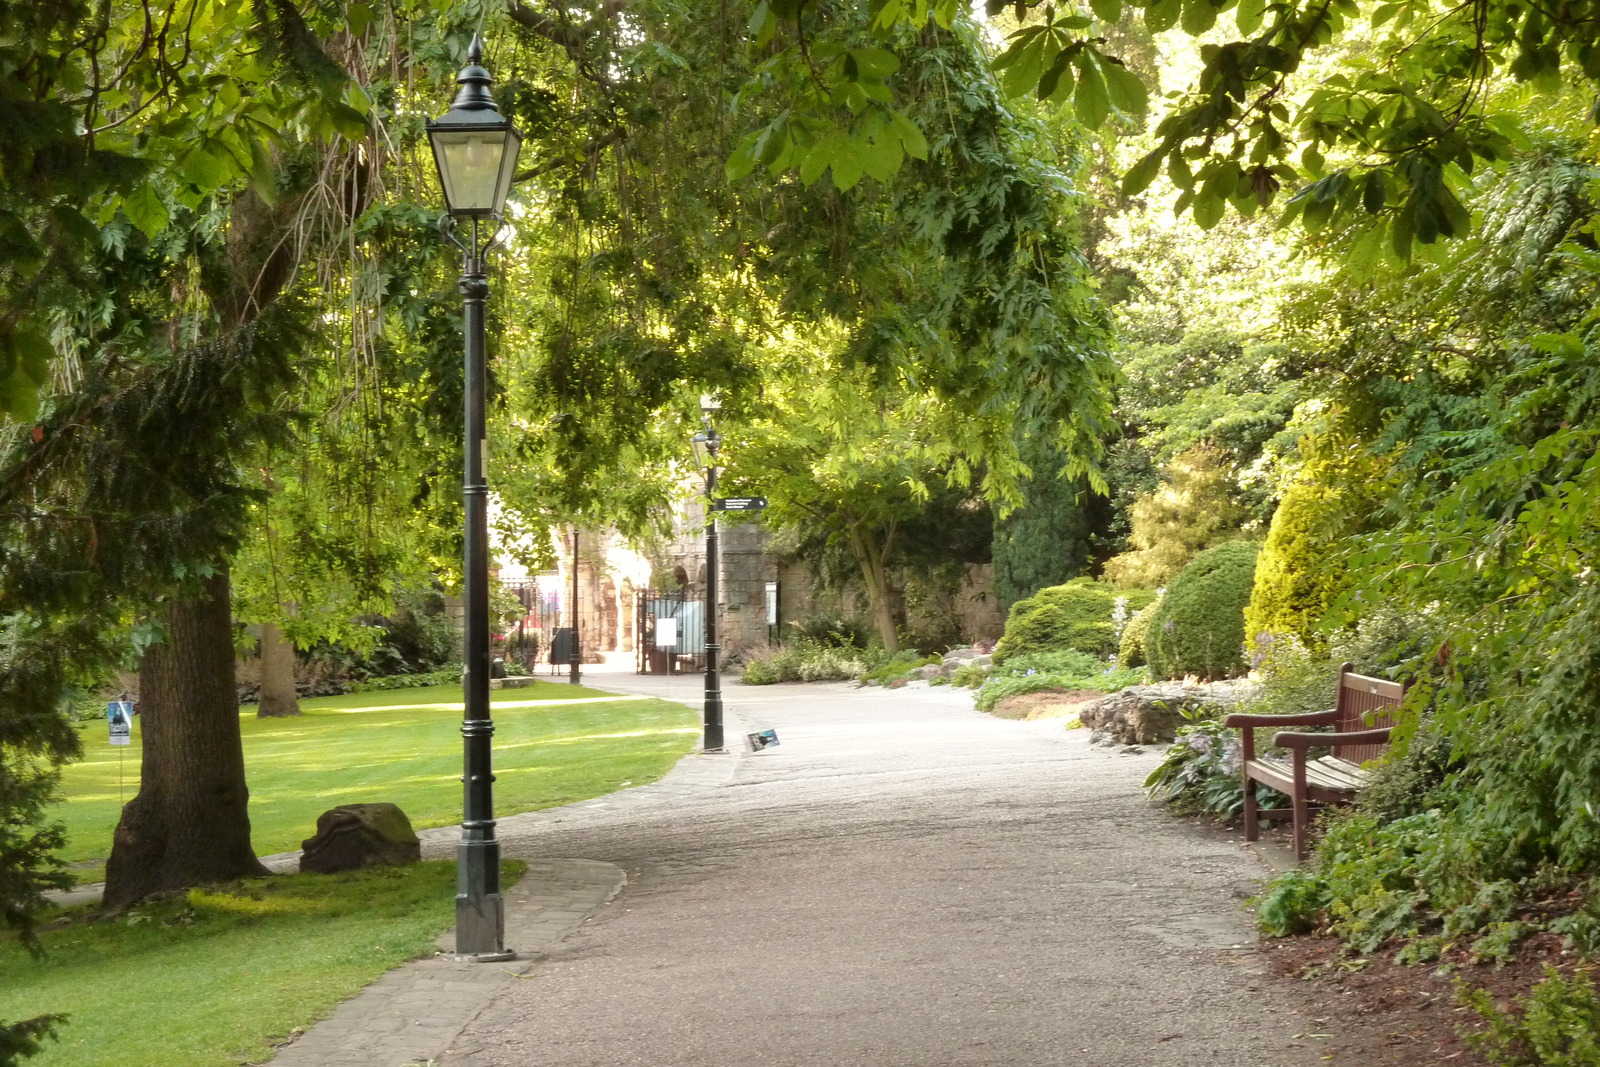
[220,975]
[553,744]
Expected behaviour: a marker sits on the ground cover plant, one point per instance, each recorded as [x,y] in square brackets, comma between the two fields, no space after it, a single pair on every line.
[218,975]
[897,667]
[554,743]
[1064,670]
[1202,771]
[805,660]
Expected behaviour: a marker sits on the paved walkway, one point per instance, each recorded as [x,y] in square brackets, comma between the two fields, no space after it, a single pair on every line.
[903,881]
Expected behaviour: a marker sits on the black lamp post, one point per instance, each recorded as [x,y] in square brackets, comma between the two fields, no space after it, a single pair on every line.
[706,444]
[475,150]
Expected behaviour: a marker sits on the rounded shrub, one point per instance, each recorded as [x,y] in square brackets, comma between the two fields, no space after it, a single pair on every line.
[1130,651]
[1198,627]
[1076,615]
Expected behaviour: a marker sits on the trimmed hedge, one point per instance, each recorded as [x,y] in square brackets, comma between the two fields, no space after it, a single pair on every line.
[1077,615]
[1198,627]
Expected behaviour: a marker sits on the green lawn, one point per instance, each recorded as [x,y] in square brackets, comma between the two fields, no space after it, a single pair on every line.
[553,744]
[218,978]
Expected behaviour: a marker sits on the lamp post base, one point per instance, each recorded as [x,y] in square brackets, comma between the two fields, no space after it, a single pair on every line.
[481,957]
[480,930]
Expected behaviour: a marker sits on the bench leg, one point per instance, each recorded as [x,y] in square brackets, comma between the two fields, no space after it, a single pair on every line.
[1302,820]
[1252,825]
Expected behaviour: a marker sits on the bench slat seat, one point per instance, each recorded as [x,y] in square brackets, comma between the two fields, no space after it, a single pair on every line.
[1330,774]
[1361,722]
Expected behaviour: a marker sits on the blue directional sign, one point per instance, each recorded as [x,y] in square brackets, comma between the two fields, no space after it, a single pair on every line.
[119,714]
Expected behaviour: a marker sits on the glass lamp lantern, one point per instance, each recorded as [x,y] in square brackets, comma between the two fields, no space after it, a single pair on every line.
[474,146]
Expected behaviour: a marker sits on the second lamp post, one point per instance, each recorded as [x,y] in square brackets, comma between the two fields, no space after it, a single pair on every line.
[707,443]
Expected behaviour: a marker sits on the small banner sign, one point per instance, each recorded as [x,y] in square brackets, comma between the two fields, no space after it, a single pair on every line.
[119,714]
[739,503]
[763,739]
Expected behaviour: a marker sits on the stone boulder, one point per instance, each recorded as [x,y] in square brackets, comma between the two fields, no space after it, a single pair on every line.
[360,835]
[1151,714]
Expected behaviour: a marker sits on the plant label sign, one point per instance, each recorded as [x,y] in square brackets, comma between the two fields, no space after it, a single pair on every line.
[739,503]
[119,714]
[666,635]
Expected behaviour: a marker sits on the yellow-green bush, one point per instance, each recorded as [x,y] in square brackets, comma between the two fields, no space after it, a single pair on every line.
[1130,652]
[1301,571]
[1192,509]
[1198,627]
[1076,615]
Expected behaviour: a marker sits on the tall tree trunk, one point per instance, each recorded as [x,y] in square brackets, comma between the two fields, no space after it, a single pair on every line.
[278,697]
[871,556]
[189,824]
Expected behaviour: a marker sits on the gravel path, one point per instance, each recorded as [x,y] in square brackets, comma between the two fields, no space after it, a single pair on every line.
[903,881]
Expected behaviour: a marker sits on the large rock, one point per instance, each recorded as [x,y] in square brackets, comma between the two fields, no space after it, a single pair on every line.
[1151,714]
[360,835]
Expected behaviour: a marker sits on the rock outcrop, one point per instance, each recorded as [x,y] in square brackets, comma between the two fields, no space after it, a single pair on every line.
[1151,714]
[360,835]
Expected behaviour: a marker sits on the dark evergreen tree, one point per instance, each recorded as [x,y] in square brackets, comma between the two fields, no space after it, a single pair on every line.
[1049,539]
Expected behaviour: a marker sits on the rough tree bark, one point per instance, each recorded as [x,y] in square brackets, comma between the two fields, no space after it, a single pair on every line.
[279,700]
[189,824]
[872,555]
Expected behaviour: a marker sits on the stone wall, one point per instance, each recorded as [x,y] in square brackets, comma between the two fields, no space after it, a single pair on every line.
[746,569]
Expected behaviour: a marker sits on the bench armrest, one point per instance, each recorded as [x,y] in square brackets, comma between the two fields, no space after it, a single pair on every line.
[1376,736]
[1315,718]
[1300,742]
[1248,723]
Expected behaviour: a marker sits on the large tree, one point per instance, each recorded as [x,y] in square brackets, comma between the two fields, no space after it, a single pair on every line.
[1390,140]
[129,493]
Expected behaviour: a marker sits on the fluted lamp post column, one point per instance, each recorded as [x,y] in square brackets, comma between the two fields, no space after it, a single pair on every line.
[706,444]
[475,149]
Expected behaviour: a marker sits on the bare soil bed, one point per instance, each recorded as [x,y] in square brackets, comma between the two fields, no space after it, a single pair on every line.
[1381,1013]
[1386,1013]
[1051,704]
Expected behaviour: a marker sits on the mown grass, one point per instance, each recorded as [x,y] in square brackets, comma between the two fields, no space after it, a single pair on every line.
[219,976]
[553,744]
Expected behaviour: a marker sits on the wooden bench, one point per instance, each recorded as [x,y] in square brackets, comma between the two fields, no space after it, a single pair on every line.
[1361,723]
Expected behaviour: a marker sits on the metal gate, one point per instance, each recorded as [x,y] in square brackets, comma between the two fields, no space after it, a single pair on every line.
[528,642]
[671,632]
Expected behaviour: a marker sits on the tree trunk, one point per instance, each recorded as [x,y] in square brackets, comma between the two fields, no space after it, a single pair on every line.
[279,700]
[189,824]
[871,558]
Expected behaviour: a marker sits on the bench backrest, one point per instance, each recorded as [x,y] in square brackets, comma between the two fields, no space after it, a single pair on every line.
[1363,705]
